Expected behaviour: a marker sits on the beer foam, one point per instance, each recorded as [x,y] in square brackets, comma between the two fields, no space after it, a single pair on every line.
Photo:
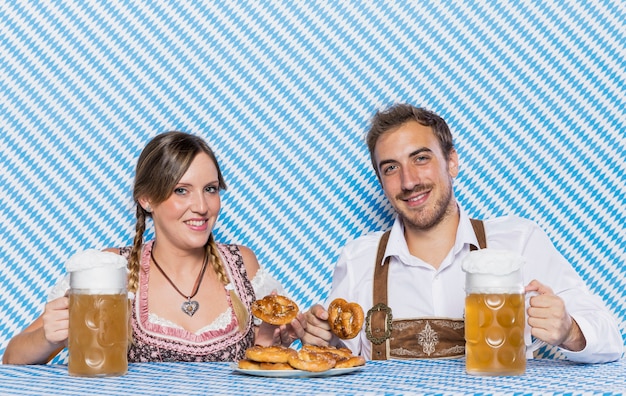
[491,269]
[92,258]
[97,270]
[491,261]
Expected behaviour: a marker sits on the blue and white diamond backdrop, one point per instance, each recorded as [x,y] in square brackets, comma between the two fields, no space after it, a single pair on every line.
[283,91]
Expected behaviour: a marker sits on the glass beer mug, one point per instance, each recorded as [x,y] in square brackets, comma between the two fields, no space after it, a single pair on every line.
[494,313]
[98,322]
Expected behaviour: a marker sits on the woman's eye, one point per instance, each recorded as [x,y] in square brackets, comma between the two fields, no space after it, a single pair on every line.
[180,191]
[212,189]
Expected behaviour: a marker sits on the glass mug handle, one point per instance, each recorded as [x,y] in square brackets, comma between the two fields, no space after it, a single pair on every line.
[537,343]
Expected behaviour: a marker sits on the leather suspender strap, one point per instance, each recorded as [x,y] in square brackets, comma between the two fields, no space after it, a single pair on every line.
[379,318]
[378,321]
[479,230]
[380,285]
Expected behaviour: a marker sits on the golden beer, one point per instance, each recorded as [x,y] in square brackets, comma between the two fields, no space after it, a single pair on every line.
[494,334]
[98,334]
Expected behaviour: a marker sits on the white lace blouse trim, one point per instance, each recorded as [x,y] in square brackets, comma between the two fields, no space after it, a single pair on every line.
[262,283]
[219,323]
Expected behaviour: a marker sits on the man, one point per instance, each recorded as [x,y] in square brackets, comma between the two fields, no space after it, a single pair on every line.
[411,285]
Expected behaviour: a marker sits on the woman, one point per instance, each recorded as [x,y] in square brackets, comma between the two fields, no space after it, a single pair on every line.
[192,295]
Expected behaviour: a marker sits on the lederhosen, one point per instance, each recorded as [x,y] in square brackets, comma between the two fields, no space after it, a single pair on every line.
[412,338]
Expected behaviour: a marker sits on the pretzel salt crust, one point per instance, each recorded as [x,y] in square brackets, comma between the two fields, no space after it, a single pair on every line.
[337,352]
[342,356]
[270,354]
[275,309]
[312,361]
[345,319]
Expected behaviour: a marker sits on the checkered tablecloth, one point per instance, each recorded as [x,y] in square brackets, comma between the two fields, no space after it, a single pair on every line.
[546,377]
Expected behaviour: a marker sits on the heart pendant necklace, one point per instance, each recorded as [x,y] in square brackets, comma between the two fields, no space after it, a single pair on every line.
[190,306]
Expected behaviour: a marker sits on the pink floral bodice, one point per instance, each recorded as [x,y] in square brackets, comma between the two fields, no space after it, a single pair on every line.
[154,342]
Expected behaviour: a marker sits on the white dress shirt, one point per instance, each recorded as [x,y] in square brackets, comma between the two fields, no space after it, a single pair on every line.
[416,289]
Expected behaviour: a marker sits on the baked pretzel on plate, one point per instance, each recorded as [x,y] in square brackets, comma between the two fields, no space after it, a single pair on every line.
[309,358]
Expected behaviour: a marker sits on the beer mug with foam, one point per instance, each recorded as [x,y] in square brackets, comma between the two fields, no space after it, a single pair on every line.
[98,323]
[494,313]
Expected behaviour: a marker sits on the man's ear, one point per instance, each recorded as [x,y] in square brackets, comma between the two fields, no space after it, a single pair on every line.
[453,163]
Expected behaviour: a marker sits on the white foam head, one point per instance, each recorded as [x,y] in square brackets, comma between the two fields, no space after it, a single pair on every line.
[493,271]
[97,271]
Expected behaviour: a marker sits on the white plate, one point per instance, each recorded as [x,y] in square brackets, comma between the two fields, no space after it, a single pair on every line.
[296,373]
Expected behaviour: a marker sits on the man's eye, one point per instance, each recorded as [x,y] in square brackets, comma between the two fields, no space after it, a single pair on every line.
[389,169]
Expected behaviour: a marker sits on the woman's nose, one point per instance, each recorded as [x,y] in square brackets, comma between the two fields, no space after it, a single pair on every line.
[199,203]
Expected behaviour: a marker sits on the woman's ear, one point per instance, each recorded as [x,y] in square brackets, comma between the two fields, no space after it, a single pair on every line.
[145,204]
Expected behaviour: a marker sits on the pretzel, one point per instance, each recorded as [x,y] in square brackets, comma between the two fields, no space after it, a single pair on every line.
[343,356]
[337,353]
[311,361]
[345,319]
[309,358]
[275,309]
[270,354]
[275,366]
[247,364]
[352,361]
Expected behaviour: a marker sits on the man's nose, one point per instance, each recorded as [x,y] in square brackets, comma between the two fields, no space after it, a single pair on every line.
[410,177]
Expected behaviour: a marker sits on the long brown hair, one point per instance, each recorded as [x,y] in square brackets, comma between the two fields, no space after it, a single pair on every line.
[160,166]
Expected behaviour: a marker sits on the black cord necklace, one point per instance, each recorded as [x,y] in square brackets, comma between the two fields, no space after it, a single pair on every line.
[189,307]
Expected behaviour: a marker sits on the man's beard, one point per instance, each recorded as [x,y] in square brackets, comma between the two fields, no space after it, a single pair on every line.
[424,219]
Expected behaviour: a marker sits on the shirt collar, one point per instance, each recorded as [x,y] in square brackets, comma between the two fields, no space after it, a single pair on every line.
[397,246]
[465,234]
